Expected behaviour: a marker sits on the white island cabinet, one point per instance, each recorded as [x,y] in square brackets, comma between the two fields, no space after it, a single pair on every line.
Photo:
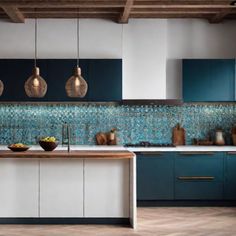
[107,188]
[61,188]
[80,186]
[19,187]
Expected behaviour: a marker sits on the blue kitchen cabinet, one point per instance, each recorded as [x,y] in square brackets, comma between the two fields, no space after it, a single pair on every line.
[208,80]
[14,78]
[105,80]
[155,176]
[199,176]
[230,176]
[58,72]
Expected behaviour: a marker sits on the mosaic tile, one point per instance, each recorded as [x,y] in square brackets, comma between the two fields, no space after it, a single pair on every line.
[154,123]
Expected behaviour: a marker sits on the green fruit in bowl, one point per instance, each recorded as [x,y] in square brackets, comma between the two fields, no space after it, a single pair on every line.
[48,139]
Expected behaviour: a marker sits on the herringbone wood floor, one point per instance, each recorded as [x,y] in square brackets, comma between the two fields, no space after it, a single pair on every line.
[162,221]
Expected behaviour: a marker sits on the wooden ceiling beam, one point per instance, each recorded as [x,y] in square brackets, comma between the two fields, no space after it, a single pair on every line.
[14,14]
[124,17]
[172,12]
[213,10]
[184,2]
[62,3]
[110,16]
[31,10]
[68,14]
[185,6]
[219,17]
[170,16]
[114,3]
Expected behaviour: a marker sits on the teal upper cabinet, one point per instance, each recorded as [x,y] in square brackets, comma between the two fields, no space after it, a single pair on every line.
[105,80]
[208,80]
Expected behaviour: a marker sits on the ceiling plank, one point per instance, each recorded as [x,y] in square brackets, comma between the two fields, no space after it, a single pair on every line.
[14,14]
[62,3]
[124,17]
[219,17]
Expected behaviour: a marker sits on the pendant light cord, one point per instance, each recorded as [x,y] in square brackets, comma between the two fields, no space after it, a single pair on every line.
[35,41]
[77,37]
[122,42]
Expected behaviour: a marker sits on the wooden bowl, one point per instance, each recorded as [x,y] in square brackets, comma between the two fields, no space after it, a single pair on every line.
[18,149]
[48,146]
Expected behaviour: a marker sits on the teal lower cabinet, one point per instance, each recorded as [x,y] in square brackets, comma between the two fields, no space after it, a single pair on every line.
[230,176]
[199,176]
[155,176]
[186,176]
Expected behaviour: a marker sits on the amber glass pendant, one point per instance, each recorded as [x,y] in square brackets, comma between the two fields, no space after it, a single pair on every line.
[35,86]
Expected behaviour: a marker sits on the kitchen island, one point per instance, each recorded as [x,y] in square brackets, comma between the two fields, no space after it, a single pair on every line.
[86,185]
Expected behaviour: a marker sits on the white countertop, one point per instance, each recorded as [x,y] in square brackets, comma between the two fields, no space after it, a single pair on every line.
[77,147]
[188,148]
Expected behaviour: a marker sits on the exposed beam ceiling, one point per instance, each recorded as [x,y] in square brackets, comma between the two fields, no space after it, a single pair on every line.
[121,11]
[124,18]
[219,17]
[14,14]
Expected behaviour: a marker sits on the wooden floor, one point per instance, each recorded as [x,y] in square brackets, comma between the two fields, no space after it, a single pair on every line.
[171,221]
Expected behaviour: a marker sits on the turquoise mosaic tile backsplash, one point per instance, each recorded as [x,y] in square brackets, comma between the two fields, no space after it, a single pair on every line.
[25,123]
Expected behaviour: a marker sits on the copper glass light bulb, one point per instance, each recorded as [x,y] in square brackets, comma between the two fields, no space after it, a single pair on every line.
[76,86]
[36,82]
[35,86]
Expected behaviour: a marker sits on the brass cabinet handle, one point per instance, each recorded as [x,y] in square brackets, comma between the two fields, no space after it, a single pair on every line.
[196,178]
[196,153]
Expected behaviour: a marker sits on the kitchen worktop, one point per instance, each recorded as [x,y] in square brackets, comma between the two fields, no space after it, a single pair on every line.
[187,148]
[103,148]
[75,148]
[105,154]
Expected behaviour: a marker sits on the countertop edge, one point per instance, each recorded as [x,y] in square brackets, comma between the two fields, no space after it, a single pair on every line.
[72,154]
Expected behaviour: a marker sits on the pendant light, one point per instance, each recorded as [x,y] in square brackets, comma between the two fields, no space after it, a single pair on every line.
[76,86]
[1,87]
[35,86]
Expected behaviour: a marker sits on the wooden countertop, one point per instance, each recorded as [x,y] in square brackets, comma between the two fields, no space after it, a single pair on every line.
[65,154]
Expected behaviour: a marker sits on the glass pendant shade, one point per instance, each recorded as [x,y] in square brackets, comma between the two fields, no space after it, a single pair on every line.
[76,86]
[35,86]
[1,87]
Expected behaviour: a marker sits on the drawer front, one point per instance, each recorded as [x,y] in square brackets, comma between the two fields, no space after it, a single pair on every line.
[199,176]
[198,190]
[199,167]
[230,177]
[155,176]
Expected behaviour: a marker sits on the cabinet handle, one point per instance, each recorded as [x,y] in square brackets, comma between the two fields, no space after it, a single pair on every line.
[196,153]
[149,153]
[196,178]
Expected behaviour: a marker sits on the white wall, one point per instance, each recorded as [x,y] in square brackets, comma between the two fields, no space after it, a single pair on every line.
[57,39]
[152,48]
